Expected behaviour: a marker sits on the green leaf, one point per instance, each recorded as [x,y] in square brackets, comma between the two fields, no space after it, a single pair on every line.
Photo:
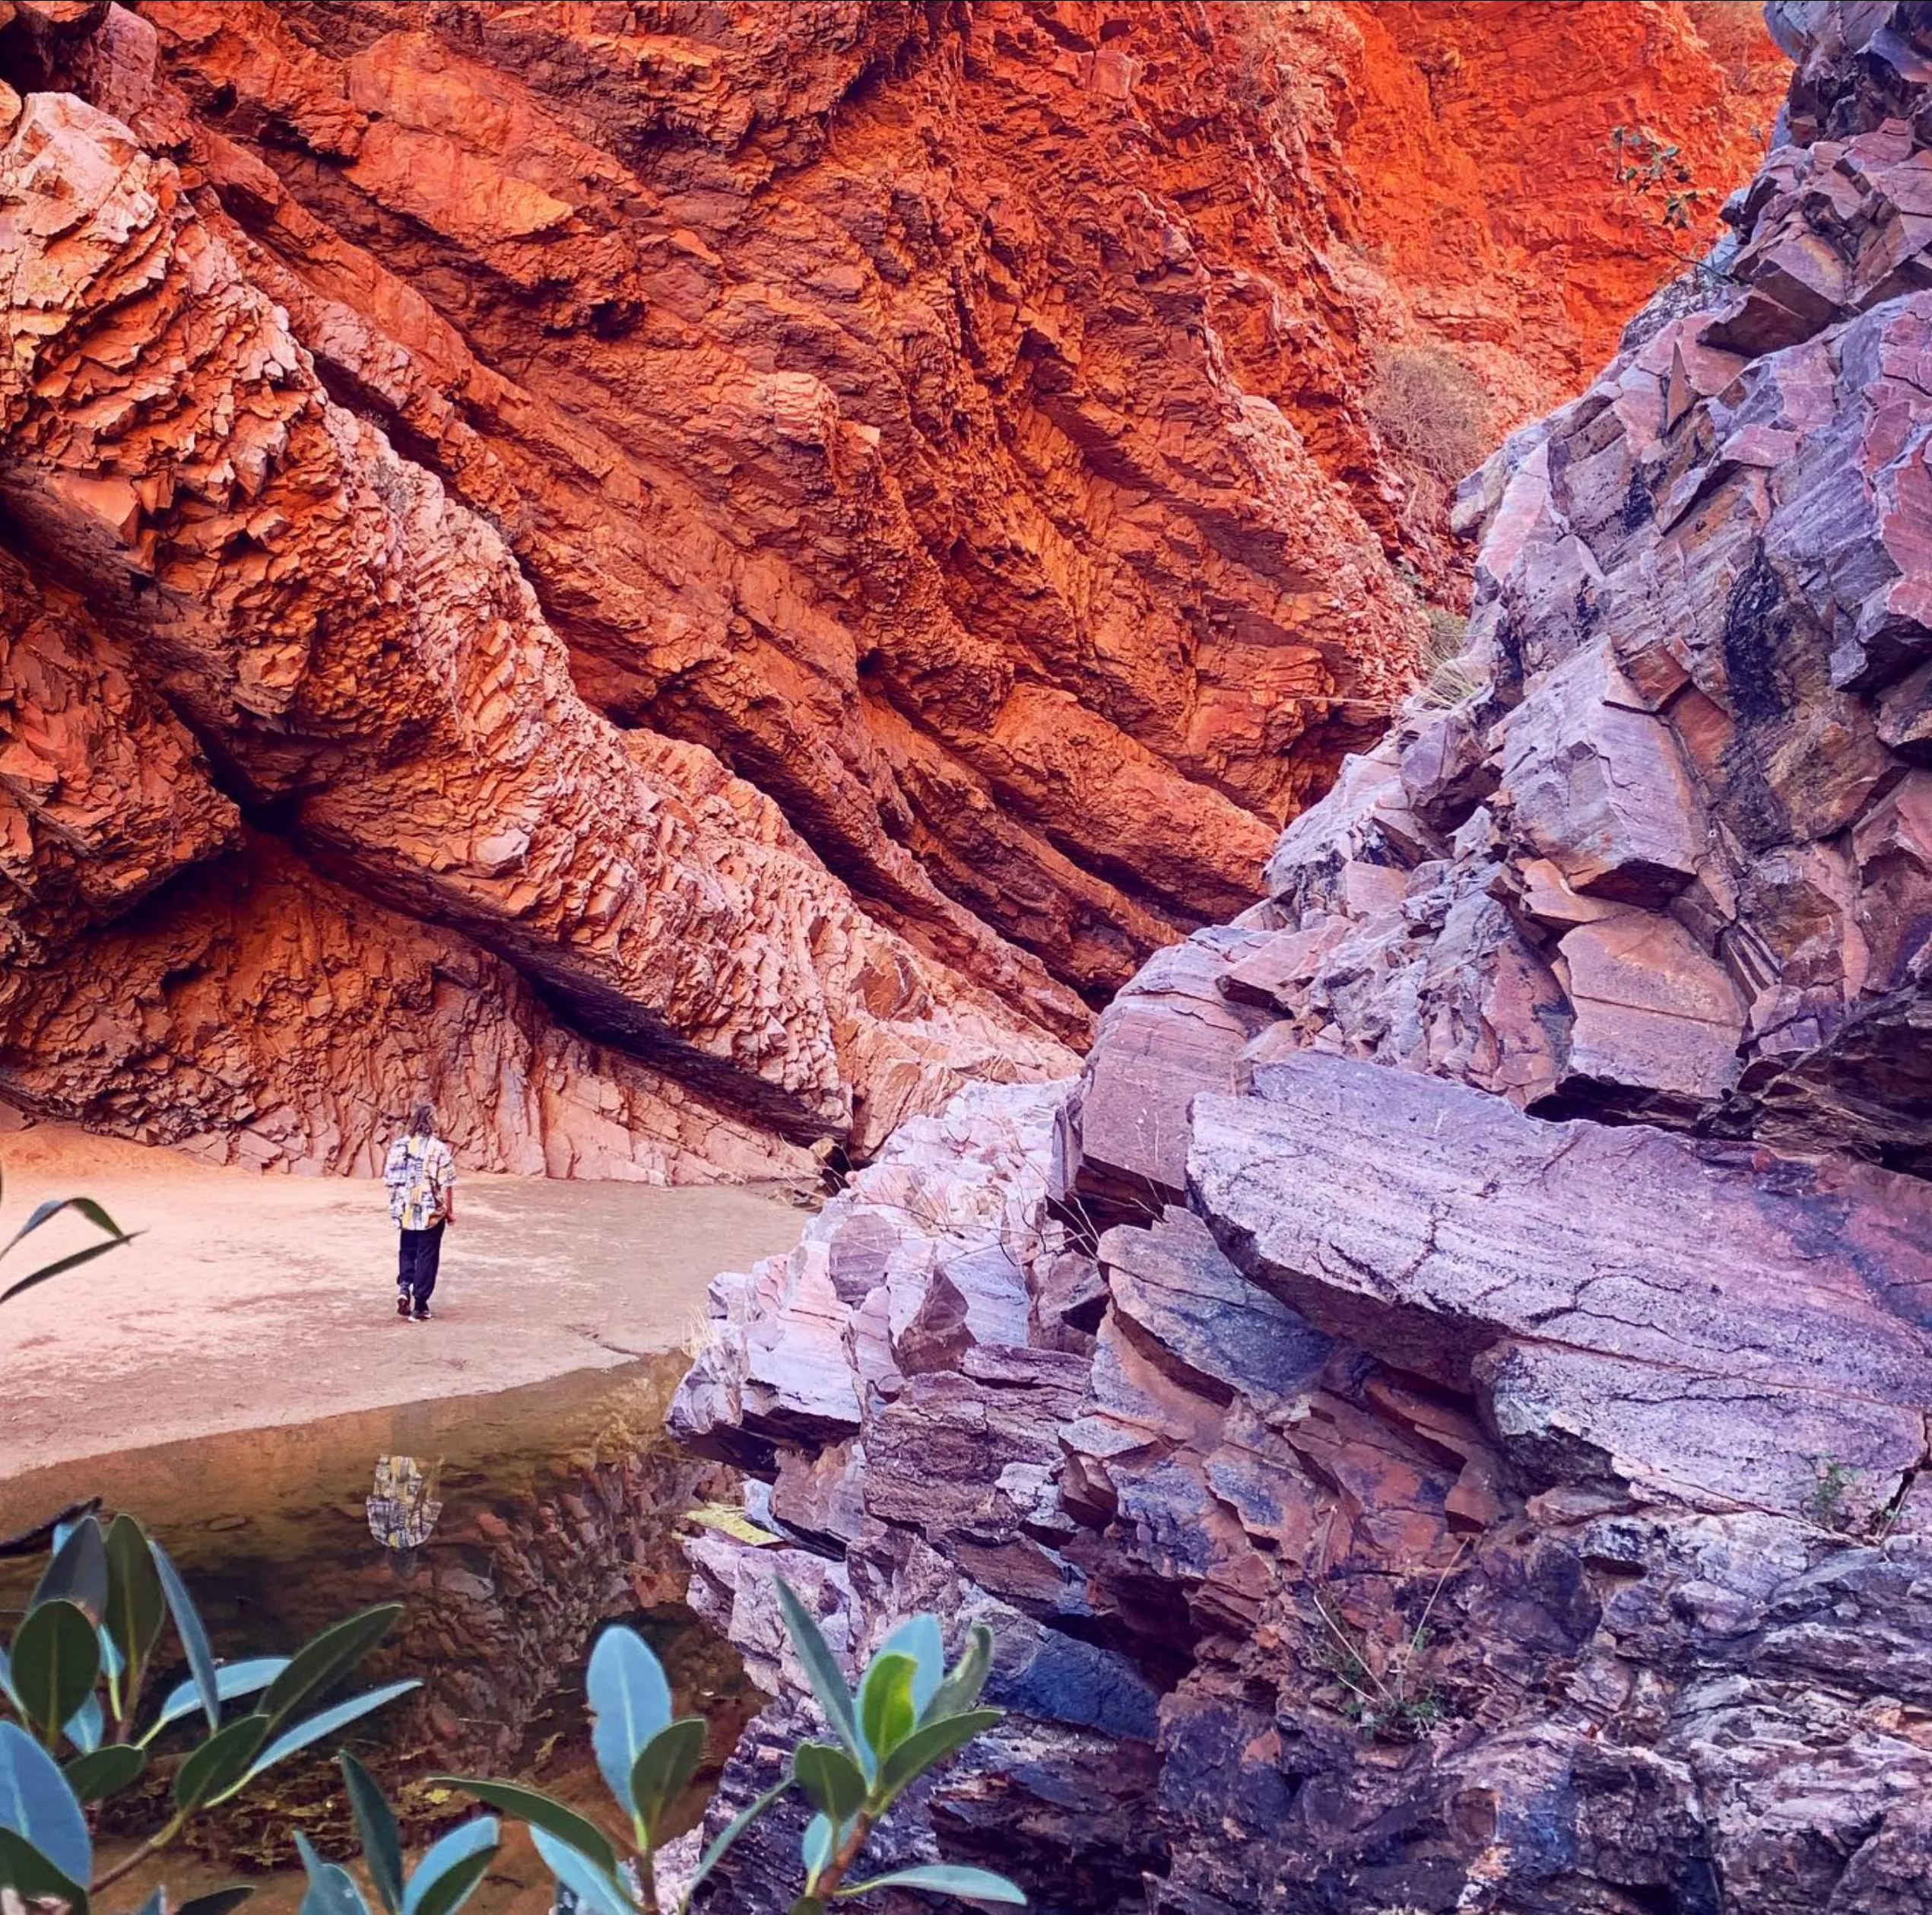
[23,1869]
[56,1661]
[829,1685]
[188,1626]
[630,1701]
[217,1901]
[531,1806]
[946,1878]
[77,1573]
[321,1662]
[886,1713]
[721,1843]
[821,1838]
[312,1729]
[929,1745]
[593,1888]
[453,1868]
[833,1782]
[231,1679]
[38,1806]
[105,1772]
[84,1728]
[919,1637]
[455,1886]
[807,1905]
[331,1889]
[219,1762]
[136,1608]
[375,1826]
[663,1771]
[962,1687]
[44,1213]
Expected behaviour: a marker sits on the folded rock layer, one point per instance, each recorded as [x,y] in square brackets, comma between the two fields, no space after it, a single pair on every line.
[798,544]
[1435,1413]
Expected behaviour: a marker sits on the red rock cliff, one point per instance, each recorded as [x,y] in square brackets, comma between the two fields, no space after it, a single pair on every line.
[690,574]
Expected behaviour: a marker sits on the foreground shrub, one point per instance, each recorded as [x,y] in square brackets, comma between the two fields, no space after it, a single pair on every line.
[73,1676]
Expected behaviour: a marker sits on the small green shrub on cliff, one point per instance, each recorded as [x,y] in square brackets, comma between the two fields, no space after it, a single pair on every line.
[1826,1502]
[1443,677]
[1263,51]
[1653,171]
[1661,204]
[73,1676]
[1389,1694]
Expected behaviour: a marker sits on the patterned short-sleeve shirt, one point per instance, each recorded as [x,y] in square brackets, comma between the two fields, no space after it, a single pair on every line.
[420,1173]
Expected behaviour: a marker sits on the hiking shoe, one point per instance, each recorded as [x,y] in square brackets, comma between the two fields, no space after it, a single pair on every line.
[402,1308]
[422,1313]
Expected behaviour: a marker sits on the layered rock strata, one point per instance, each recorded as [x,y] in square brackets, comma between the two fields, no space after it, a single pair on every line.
[1436,1411]
[1425,1515]
[798,545]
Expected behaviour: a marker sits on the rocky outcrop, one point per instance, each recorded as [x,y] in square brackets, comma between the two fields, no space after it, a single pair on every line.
[1481,163]
[1442,1395]
[797,544]
[1671,855]
[168,1024]
[1425,1514]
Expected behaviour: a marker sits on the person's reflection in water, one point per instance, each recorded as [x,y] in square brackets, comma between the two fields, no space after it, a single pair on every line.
[403,1507]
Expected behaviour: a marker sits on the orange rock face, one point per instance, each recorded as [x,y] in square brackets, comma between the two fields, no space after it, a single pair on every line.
[1484,149]
[680,572]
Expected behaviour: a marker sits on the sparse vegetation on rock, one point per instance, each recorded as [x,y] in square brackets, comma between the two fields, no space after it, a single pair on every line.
[1428,405]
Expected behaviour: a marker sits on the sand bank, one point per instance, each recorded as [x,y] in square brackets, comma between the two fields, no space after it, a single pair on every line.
[251,1300]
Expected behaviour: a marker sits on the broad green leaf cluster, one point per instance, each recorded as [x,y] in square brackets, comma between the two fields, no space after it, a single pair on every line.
[909,1714]
[439,1884]
[74,1680]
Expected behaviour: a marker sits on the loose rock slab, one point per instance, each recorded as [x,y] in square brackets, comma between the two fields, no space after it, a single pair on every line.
[1621,1300]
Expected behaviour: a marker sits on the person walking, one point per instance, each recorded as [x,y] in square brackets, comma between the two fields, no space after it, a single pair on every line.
[421,1176]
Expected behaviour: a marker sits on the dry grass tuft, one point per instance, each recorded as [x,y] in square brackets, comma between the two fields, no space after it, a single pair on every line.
[1431,407]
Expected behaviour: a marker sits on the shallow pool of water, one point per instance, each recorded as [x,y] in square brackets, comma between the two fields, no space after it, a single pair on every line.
[512,1525]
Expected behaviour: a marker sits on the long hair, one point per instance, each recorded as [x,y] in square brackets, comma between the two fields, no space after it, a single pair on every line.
[422,1121]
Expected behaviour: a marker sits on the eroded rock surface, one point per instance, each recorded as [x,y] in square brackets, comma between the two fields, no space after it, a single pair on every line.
[1669,857]
[1443,1500]
[811,539]
[1445,1391]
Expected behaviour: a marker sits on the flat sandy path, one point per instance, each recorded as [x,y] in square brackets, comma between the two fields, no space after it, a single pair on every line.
[251,1300]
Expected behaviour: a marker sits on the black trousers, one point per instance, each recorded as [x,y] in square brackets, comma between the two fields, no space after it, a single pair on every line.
[416,1261]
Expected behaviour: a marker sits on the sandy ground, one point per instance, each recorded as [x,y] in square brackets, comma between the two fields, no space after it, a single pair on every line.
[250,1301]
